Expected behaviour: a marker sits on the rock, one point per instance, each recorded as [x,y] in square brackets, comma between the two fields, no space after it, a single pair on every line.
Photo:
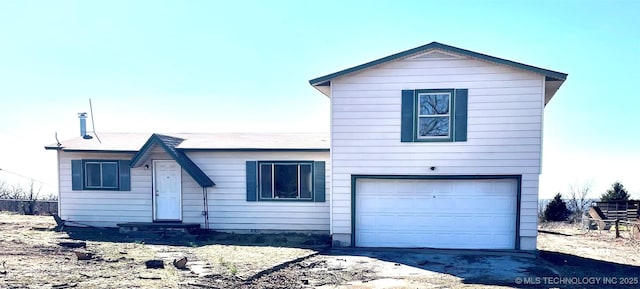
[181,263]
[73,244]
[64,285]
[83,255]
[154,264]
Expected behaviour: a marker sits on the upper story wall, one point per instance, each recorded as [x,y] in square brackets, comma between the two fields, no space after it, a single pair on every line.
[505,110]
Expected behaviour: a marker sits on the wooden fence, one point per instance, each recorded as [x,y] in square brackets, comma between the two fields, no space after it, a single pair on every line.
[621,210]
[632,228]
[24,207]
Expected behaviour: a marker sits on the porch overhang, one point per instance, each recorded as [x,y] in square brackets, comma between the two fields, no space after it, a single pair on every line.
[169,144]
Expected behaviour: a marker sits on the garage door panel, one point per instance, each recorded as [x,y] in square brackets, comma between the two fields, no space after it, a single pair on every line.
[505,185]
[404,188]
[477,214]
[426,188]
[383,188]
[440,240]
[502,205]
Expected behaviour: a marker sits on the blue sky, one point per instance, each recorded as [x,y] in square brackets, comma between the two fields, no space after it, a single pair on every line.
[216,66]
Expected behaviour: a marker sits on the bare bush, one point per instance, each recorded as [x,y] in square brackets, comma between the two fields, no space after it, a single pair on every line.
[27,195]
[578,202]
[4,190]
[541,205]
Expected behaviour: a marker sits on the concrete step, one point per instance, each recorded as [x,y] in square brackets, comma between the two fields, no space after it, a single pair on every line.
[152,227]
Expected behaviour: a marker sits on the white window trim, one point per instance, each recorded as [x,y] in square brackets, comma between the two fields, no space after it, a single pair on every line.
[101,163]
[418,115]
[273,183]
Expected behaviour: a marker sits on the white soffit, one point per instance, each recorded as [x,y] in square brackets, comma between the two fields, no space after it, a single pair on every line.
[436,55]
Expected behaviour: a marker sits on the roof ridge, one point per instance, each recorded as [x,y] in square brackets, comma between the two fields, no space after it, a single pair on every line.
[326,79]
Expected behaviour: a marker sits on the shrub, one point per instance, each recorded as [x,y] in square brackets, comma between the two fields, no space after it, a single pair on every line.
[617,192]
[556,210]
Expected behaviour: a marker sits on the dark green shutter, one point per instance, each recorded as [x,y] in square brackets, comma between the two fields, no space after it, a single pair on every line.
[125,175]
[460,113]
[407,118]
[252,181]
[76,175]
[319,189]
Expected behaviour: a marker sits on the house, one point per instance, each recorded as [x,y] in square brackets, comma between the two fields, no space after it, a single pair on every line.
[224,181]
[439,147]
[435,146]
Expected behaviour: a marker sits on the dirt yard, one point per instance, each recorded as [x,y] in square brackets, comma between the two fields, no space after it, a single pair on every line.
[33,255]
[573,252]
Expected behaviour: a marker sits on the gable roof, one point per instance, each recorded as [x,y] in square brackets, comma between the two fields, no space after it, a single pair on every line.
[550,75]
[169,144]
[176,146]
[133,142]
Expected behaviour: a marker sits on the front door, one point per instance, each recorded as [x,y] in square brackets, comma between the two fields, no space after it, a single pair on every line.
[167,186]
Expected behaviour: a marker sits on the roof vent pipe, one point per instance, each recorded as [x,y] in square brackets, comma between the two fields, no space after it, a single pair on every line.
[83,125]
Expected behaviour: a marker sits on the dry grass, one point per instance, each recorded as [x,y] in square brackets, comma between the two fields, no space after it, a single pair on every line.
[594,244]
[31,257]
[246,261]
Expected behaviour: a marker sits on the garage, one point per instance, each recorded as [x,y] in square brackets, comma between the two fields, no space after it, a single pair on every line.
[454,213]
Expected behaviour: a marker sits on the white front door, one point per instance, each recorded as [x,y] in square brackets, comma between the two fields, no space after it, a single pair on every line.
[167,186]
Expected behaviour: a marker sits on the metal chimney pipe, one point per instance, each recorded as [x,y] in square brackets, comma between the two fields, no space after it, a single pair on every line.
[83,123]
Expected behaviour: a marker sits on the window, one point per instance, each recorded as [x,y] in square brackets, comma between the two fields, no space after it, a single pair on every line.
[434,119]
[434,115]
[100,175]
[285,180]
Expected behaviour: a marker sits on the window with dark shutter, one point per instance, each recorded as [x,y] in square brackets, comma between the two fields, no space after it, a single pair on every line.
[434,115]
[107,175]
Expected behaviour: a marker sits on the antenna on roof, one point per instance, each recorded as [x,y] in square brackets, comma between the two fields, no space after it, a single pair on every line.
[57,141]
[93,124]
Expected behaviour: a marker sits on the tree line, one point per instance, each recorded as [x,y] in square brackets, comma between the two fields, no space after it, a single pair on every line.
[21,192]
[573,209]
[24,197]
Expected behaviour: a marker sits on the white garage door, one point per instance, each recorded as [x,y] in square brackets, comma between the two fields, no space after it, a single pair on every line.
[460,214]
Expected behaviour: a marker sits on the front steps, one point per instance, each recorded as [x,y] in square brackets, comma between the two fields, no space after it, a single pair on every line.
[165,227]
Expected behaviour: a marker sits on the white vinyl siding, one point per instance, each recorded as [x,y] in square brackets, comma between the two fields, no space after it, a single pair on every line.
[228,208]
[505,107]
[104,208]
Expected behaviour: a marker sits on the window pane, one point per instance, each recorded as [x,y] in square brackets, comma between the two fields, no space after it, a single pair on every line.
[433,126]
[109,175]
[286,181]
[92,175]
[305,181]
[434,104]
[265,181]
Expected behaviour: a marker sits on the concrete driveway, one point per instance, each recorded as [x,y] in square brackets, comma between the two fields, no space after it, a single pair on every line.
[430,268]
